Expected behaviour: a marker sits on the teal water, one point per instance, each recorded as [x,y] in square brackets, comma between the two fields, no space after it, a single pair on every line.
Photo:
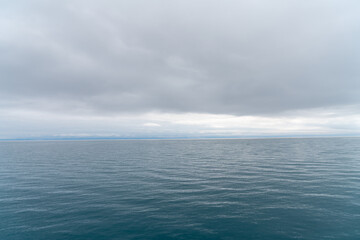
[180,189]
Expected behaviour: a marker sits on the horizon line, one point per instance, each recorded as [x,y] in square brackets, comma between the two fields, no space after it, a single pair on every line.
[177,138]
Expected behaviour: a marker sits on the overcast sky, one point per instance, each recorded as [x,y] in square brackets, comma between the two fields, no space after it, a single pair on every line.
[179,68]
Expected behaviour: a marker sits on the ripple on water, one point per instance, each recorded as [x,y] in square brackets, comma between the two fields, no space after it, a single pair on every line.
[194,189]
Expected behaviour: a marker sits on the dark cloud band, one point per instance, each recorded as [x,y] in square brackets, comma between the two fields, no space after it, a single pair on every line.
[234,57]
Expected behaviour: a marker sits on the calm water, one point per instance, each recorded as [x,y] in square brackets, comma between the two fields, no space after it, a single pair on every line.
[183,189]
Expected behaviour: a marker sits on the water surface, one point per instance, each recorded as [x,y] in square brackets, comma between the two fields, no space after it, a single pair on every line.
[180,189]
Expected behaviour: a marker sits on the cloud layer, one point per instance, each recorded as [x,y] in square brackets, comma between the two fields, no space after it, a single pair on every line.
[170,68]
[228,57]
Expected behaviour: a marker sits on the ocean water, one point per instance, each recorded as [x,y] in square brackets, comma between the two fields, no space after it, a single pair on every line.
[180,189]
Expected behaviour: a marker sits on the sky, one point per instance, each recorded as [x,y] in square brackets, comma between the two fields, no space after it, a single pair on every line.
[179,68]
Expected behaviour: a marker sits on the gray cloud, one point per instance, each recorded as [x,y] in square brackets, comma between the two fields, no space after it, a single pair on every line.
[233,57]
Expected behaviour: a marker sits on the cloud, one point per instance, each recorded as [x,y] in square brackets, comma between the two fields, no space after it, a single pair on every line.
[151,124]
[38,124]
[229,57]
[195,68]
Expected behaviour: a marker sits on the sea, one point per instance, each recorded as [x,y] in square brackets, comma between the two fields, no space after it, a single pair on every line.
[295,188]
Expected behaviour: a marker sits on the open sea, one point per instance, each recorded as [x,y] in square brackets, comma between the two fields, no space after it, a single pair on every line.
[180,189]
